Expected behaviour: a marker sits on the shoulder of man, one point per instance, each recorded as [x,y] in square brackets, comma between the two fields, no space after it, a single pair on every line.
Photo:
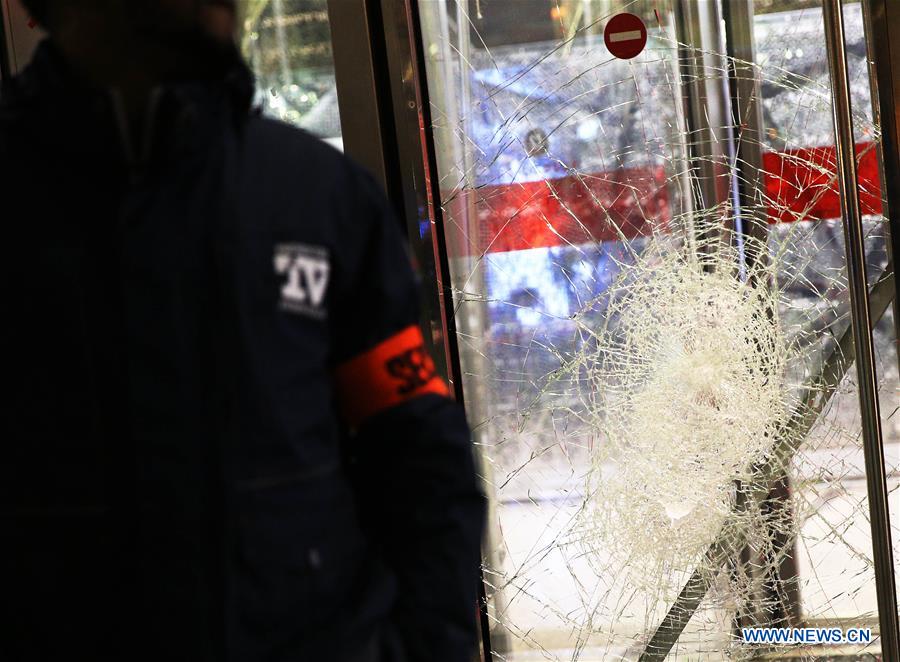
[279,143]
[305,181]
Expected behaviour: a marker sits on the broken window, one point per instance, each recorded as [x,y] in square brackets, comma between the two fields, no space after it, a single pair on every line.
[653,318]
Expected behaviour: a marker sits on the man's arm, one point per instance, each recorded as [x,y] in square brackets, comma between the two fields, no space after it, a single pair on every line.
[410,448]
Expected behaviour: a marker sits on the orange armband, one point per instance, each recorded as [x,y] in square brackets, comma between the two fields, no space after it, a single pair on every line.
[391,373]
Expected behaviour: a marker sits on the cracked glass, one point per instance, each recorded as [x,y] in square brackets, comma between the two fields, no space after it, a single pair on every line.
[653,318]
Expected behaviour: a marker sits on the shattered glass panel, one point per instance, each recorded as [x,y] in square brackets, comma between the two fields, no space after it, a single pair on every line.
[653,318]
[288,45]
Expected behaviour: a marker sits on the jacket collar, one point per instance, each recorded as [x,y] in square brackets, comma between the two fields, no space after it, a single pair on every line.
[75,113]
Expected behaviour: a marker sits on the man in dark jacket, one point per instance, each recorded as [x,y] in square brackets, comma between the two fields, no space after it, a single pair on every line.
[222,437]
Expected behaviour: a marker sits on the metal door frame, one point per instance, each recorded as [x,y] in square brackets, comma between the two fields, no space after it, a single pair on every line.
[17,39]
[872,440]
[882,25]
[5,59]
[393,137]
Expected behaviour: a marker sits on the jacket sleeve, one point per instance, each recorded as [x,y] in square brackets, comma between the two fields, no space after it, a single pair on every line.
[410,449]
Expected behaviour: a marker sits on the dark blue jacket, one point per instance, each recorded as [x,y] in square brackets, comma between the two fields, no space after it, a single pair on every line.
[222,438]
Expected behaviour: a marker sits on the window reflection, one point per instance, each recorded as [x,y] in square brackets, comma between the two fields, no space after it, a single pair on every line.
[288,45]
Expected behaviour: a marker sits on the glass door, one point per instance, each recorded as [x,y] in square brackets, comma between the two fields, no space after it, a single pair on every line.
[652,311]
[288,45]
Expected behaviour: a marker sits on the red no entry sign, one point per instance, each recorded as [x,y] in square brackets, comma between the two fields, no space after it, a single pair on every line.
[625,36]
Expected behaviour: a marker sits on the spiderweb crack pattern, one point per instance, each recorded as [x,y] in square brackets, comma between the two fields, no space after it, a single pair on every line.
[689,388]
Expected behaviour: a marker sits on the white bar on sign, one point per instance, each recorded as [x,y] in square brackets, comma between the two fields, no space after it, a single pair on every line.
[625,36]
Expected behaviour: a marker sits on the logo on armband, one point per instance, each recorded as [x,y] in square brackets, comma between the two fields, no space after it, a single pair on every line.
[414,367]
